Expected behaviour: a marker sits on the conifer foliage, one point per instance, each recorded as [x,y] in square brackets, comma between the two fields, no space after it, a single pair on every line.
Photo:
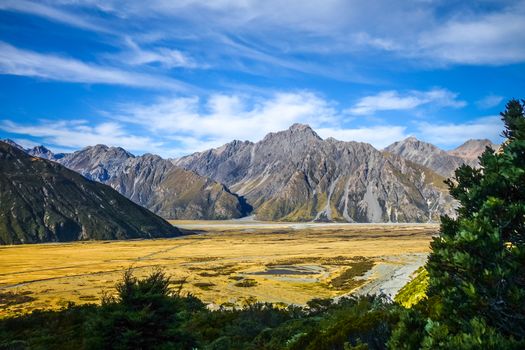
[476,294]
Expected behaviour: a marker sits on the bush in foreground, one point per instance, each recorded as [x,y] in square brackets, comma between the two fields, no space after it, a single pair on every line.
[148,314]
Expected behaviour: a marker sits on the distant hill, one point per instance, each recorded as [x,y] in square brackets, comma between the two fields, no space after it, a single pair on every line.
[294,175]
[472,149]
[442,162]
[42,201]
[428,155]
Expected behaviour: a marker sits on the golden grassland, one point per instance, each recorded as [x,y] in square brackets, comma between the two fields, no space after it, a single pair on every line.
[223,263]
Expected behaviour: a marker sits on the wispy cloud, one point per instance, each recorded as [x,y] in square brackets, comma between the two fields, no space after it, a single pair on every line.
[251,37]
[412,30]
[177,126]
[489,101]
[73,134]
[490,38]
[394,100]
[181,125]
[15,61]
[221,118]
[54,14]
[166,57]
[452,134]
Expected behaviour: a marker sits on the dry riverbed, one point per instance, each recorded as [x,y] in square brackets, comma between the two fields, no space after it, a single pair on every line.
[224,263]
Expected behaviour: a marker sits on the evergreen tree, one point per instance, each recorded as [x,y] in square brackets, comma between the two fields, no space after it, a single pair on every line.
[476,294]
[145,314]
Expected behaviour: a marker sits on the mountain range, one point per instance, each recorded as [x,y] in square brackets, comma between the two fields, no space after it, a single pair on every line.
[442,162]
[292,175]
[43,201]
[157,184]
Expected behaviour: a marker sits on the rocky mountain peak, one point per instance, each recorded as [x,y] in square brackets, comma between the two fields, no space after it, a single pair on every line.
[41,152]
[411,139]
[298,127]
[472,149]
[426,154]
[295,133]
[42,149]
[294,175]
[37,151]
[104,153]
[303,129]
[98,147]
[412,145]
[156,183]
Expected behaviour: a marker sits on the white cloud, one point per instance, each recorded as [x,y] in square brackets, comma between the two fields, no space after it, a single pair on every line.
[53,13]
[222,118]
[165,57]
[182,125]
[168,58]
[494,38]
[251,36]
[489,101]
[202,124]
[468,34]
[79,134]
[394,100]
[452,134]
[17,61]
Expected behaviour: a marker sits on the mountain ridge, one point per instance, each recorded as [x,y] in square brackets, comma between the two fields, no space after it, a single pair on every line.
[156,183]
[292,168]
[296,175]
[441,161]
[43,201]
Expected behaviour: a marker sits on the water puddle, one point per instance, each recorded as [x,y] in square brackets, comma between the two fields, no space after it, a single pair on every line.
[291,270]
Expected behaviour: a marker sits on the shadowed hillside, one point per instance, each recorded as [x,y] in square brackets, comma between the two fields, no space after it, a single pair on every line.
[42,201]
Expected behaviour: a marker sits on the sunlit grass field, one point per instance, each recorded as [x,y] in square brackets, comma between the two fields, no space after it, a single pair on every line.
[223,263]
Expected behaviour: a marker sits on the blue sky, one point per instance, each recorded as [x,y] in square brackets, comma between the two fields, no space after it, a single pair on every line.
[174,77]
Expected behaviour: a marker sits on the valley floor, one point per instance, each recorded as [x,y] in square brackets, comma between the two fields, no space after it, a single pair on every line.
[224,263]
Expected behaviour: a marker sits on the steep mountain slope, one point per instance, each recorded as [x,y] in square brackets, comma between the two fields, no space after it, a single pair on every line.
[472,149]
[13,144]
[426,154]
[157,184]
[295,175]
[42,201]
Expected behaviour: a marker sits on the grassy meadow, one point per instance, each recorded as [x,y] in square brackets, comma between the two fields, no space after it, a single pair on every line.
[223,263]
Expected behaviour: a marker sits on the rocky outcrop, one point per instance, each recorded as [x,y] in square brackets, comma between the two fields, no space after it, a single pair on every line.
[297,176]
[42,201]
